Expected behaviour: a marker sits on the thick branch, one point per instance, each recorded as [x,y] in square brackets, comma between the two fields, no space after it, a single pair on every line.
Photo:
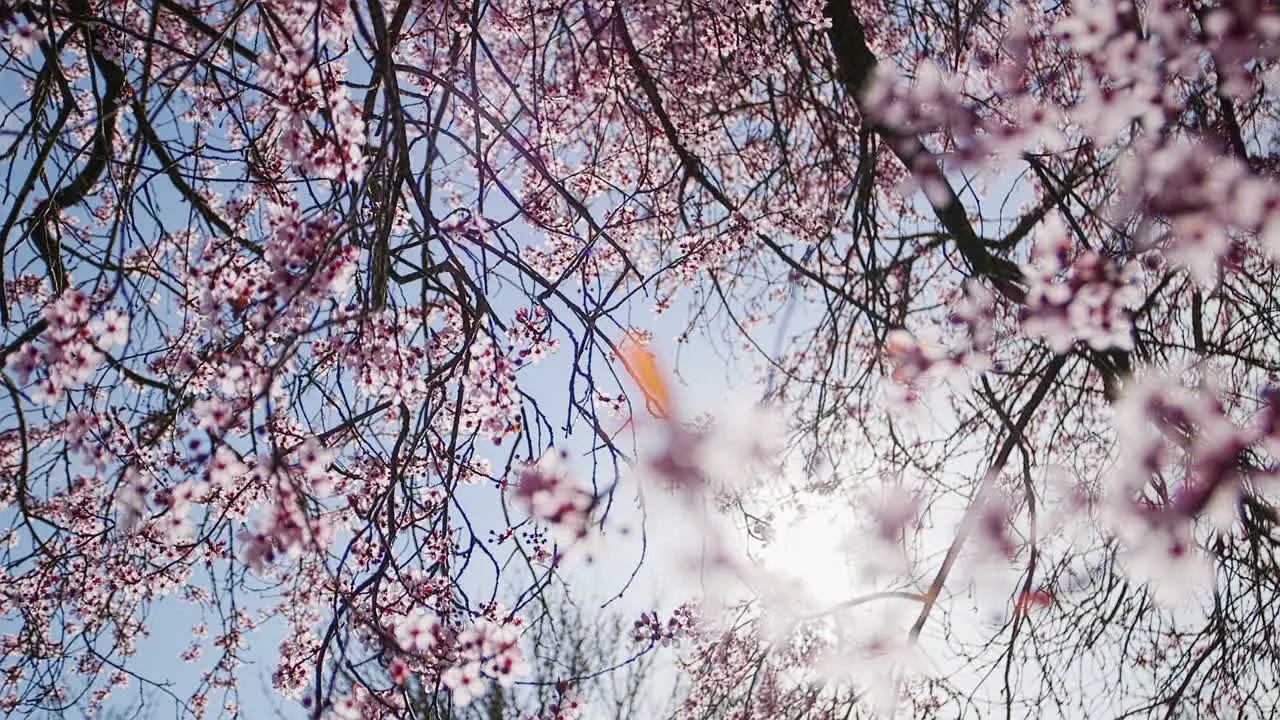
[857,66]
[73,193]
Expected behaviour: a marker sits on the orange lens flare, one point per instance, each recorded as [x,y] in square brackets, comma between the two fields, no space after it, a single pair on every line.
[642,366]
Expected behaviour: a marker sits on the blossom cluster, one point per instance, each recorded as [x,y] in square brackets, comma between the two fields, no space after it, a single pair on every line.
[1185,456]
[1078,297]
[915,357]
[73,347]
[461,661]
[684,623]
[545,490]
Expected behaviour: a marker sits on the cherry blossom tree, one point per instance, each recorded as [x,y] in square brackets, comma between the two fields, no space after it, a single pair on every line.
[334,323]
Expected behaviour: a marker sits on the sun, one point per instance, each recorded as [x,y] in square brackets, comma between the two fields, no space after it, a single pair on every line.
[812,546]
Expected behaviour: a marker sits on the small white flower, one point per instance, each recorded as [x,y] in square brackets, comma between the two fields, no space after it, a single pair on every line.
[112,330]
[464,682]
[415,632]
